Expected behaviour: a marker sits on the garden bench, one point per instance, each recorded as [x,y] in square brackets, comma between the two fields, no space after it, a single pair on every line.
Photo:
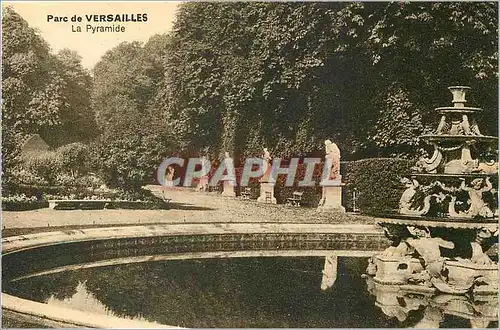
[245,194]
[295,199]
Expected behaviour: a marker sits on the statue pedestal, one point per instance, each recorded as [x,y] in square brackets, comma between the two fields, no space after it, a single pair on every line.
[228,188]
[395,270]
[266,193]
[331,198]
[202,184]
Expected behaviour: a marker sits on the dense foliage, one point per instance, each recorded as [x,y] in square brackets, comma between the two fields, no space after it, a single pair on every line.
[42,93]
[374,183]
[289,75]
[241,76]
[134,137]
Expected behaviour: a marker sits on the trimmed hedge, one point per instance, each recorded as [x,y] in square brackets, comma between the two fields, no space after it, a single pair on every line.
[22,203]
[377,181]
[24,206]
[24,197]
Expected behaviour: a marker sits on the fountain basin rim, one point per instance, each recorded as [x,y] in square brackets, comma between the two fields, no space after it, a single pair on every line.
[198,255]
[67,317]
[459,87]
[471,265]
[458,109]
[401,286]
[456,223]
[397,216]
[64,317]
[450,175]
[444,137]
[465,315]
[24,242]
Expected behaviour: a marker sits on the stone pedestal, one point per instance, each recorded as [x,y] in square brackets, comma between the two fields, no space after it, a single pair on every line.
[228,188]
[395,270]
[331,199]
[202,184]
[266,193]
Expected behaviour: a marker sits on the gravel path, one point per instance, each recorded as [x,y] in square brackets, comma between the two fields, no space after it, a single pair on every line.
[187,206]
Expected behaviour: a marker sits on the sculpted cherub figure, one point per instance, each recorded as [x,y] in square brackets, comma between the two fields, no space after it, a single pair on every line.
[478,207]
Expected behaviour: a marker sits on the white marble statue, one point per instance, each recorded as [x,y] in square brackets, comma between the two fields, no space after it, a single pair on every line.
[333,156]
[203,183]
[228,160]
[229,183]
[266,159]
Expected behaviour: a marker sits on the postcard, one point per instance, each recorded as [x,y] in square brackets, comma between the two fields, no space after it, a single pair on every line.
[249,164]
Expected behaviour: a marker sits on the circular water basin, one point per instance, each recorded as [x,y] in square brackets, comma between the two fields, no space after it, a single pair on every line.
[137,277]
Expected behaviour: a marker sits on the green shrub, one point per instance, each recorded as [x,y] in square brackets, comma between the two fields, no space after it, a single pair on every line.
[89,181]
[47,165]
[73,157]
[22,202]
[128,162]
[63,179]
[24,176]
[60,167]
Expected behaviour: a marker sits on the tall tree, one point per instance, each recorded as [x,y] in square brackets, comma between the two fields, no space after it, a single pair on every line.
[421,48]
[42,93]
[30,90]
[134,137]
[289,75]
[77,116]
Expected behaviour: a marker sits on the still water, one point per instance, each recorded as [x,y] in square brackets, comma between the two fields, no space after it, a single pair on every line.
[279,292]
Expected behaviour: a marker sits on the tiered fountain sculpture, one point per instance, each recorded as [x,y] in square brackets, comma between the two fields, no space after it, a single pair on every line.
[448,214]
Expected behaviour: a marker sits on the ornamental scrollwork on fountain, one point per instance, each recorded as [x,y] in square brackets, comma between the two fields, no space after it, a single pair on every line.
[429,165]
[448,212]
[466,201]
[426,266]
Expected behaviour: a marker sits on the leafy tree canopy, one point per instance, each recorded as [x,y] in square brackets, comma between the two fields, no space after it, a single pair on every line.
[241,76]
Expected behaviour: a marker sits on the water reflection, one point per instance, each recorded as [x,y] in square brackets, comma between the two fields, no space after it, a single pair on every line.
[279,292]
[419,308]
[83,297]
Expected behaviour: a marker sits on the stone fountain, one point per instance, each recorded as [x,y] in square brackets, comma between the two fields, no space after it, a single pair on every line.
[448,213]
[428,310]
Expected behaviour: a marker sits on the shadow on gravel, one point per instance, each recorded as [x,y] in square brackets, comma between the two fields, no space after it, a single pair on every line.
[189,207]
